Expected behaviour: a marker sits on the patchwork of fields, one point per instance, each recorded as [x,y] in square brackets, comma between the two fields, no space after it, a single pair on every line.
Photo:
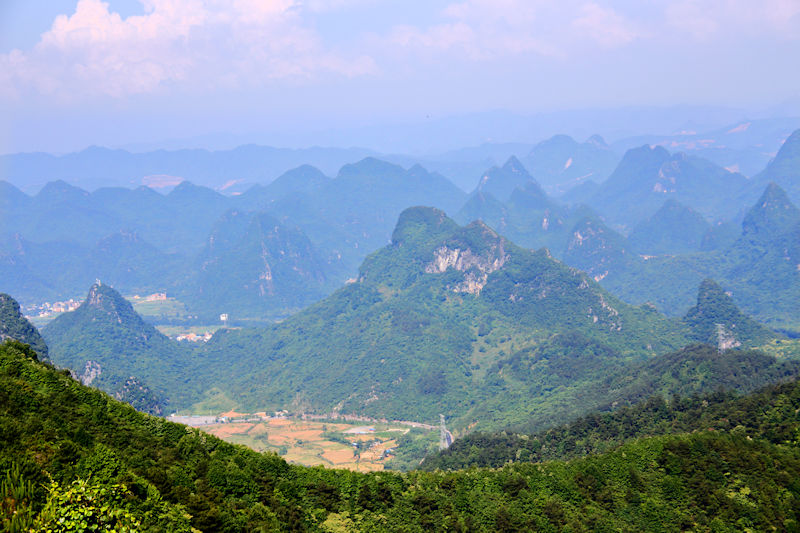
[310,442]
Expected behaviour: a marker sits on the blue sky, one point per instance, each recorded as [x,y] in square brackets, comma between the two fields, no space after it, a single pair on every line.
[74,73]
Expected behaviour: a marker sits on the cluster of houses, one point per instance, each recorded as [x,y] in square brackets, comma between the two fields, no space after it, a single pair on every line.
[47,308]
[195,337]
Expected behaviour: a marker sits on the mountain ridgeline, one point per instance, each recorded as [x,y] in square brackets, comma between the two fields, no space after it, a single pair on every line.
[106,344]
[427,318]
[445,319]
[666,221]
[305,235]
[14,326]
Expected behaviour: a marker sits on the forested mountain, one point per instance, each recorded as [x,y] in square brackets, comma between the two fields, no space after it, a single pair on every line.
[716,320]
[64,445]
[528,216]
[253,265]
[446,319]
[500,182]
[106,344]
[647,176]
[428,318]
[673,229]
[58,241]
[759,268]
[16,327]
[725,411]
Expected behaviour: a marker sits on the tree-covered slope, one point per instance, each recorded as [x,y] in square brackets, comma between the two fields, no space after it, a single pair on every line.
[717,320]
[759,268]
[500,182]
[429,315]
[673,229]
[598,432]
[106,344]
[527,215]
[253,266]
[112,465]
[13,325]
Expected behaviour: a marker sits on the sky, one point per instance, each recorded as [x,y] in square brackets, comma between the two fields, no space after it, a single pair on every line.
[77,73]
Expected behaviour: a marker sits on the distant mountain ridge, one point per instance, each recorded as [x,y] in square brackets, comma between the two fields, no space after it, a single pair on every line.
[64,237]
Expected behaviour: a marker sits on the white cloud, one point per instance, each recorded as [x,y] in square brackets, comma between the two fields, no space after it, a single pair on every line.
[211,42]
[705,20]
[488,29]
[605,26]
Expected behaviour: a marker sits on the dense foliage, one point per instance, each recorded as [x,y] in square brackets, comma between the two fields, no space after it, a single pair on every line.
[15,326]
[420,331]
[150,474]
[717,320]
[759,268]
[769,414]
[109,346]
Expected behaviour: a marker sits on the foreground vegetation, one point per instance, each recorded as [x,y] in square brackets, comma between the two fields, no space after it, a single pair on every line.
[64,444]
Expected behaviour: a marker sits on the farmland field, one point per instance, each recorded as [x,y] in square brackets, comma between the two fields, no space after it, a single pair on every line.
[360,447]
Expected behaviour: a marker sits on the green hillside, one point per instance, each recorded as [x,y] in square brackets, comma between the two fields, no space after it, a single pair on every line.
[759,268]
[783,170]
[13,325]
[647,176]
[673,229]
[75,458]
[716,320]
[598,432]
[255,267]
[106,344]
[420,330]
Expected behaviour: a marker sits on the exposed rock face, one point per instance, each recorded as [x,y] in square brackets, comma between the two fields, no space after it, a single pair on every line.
[91,371]
[726,339]
[476,267]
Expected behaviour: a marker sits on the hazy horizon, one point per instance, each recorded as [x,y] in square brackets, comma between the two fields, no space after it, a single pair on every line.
[293,73]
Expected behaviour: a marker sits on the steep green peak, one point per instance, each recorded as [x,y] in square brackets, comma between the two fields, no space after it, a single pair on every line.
[13,325]
[422,224]
[477,237]
[773,215]
[104,300]
[716,319]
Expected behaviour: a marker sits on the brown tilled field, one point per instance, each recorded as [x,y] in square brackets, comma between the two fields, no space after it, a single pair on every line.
[304,441]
